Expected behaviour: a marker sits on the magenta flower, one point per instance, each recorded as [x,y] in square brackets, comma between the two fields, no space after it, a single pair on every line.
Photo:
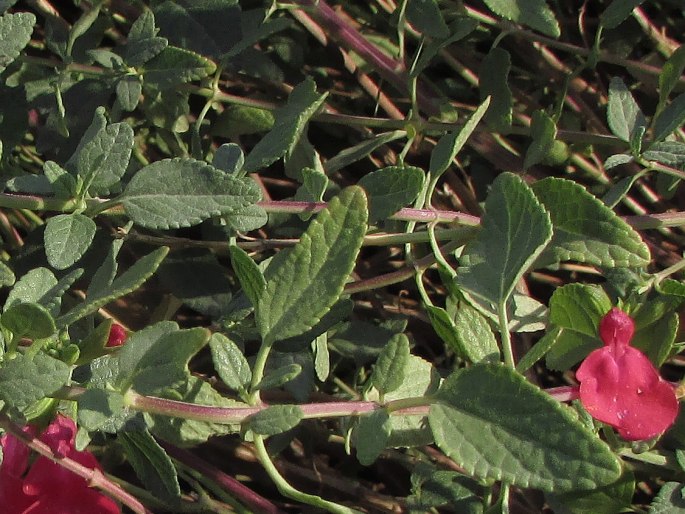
[117,336]
[620,387]
[47,487]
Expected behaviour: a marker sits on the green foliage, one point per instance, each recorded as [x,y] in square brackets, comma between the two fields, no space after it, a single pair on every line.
[25,380]
[389,189]
[494,72]
[67,237]
[372,433]
[15,33]
[669,500]
[388,374]
[533,13]
[274,419]
[230,363]
[478,422]
[426,17]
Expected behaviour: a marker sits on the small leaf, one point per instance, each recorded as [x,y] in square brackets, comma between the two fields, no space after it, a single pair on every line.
[488,420]
[579,307]
[475,335]
[275,419]
[174,193]
[514,230]
[671,118]
[569,348]
[670,74]
[28,320]
[96,407]
[389,189]
[152,465]
[623,113]
[543,131]
[63,183]
[322,360]
[670,153]
[670,500]
[240,120]
[7,277]
[295,301]
[388,373]
[279,376]
[229,158]
[128,91]
[532,13]
[24,381]
[450,145]
[174,66]
[15,34]
[426,18]
[128,282]
[371,436]
[619,190]
[586,230]
[617,159]
[617,12]
[538,351]
[360,150]
[67,237]
[230,363]
[249,275]
[461,27]
[290,122]
[494,73]
[143,43]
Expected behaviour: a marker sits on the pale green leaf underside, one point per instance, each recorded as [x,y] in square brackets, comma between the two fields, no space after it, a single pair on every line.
[175,193]
[514,230]
[496,425]
[305,281]
[586,230]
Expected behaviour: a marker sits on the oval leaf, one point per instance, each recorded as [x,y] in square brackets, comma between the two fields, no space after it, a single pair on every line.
[389,189]
[496,425]
[67,237]
[274,420]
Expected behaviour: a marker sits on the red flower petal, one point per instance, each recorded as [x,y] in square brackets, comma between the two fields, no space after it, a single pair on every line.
[620,386]
[117,336]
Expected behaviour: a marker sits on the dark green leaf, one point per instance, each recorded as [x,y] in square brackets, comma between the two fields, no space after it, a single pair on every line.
[24,381]
[670,74]
[542,131]
[274,420]
[250,276]
[280,376]
[62,182]
[514,231]
[67,237]
[670,153]
[143,43]
[360,150]
[96,407]
[28,320]
[230,363]
[532,13]
[295,301]
[538,351]
[619,190]
[174,193]
[371,436]
[389,371]
[174,66]
[623,113]
[461,27]
[617,12]
[389,189]
[152,465]
[240,120]
[586,230]
[496,425]
[579,307]
[494,73]
[290,122]
[426,18]
[475,335]
[671,118]
[129,90]
[617,159]
[569,348]
[229,158]
[15,33]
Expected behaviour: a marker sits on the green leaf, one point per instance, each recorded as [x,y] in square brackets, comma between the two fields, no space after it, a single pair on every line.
[586,230]
[40,286]
[7,277]
[542,131]
[275,419]
[619,190]
[579,307]
[249,275]
[24,381]
[608,499]
[670,74]
[94,344]
[152,465]
[389,189]
[28,320]
[514,230]
[669,500]
[290,122]
[617,159]
[670,153]
[623,113]
[493,76]
[314,185]
[371,436]
[67,237]
[617,12]
[475,335]
[97,407]
[360,150]
[63,183]
[450,144]
[137,345]
[174,193]
[102,155]
[104,275]
[174,66]
[532,13]
[461,27]
[279,376]
[388,373]
[496,425]
[538,351]
[128,92]
[569,348]
[15,34]
[247,218]
[656,340]
[426,18]
[671,118]
[240,120]
[295,301]
[142,43]
[322,358]
[229,158]
[230,363]
[128,282]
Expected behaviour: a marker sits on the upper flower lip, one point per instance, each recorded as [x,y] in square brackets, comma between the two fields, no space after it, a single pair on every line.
[621,387]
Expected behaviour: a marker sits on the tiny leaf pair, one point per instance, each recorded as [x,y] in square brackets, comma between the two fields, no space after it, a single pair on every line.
[621,387]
